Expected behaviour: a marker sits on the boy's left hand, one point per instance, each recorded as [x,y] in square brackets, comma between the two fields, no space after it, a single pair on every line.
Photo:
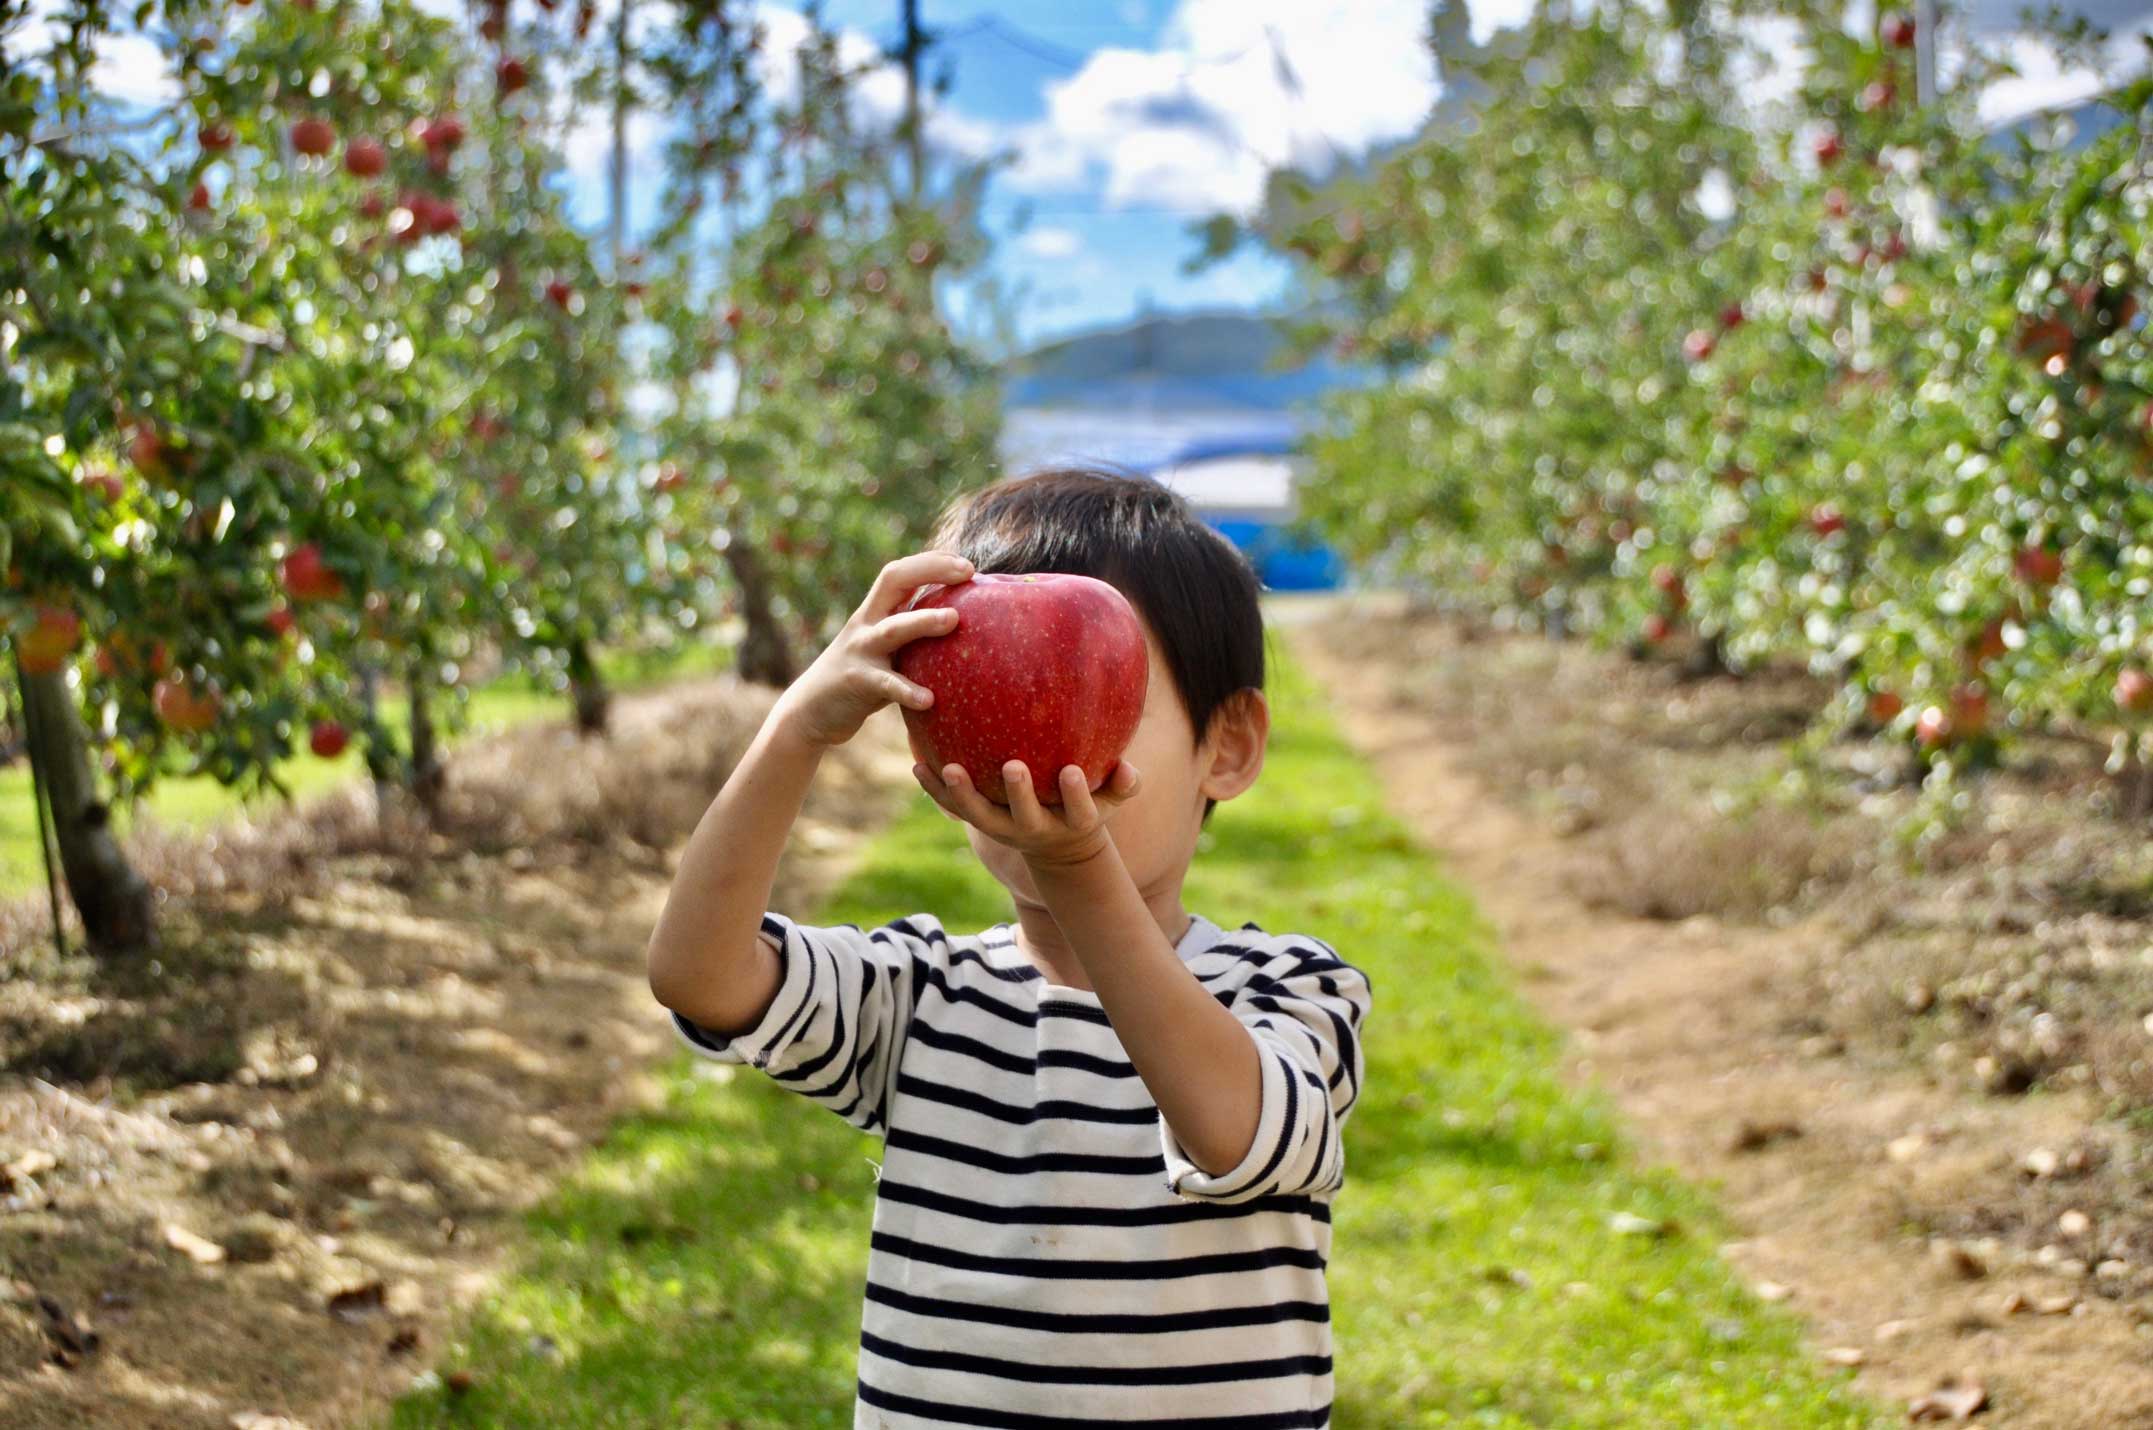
[1043,835]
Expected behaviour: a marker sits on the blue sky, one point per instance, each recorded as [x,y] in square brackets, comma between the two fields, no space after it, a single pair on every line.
[1129,120]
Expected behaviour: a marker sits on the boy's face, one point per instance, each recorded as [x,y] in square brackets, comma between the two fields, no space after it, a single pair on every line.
[1155,829]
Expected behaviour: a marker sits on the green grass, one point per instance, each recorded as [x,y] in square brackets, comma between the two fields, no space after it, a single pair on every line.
[200,801]
[704,1266]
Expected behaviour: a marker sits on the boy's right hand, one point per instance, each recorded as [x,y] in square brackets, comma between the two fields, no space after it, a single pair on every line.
[853,678]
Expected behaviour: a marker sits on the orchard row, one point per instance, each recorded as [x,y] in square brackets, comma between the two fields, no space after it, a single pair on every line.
[1891,416]
[313,391]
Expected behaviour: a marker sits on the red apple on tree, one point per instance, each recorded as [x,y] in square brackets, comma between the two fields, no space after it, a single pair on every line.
[51,640]
[1826,519]
[1932,727]
[560,293]
[2038,565]
[1657,628]
[364,158]
[1899,30]
[1049,669]
[198,201]
[510,74]
[216,138]
[1829,146]
[327,739]
[1877,94]
[1884,707]
[309,578]
[2134,690]
[146,450]
[183,707]
[313,136]
[1698,345]
[442,133]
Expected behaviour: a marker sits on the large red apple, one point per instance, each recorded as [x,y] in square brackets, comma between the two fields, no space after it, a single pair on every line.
[1048,668]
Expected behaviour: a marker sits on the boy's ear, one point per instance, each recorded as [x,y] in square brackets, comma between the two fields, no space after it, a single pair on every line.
[1233,752]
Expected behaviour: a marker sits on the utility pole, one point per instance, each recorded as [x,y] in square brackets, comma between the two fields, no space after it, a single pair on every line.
[617,180]
[1925,51]
[915,41]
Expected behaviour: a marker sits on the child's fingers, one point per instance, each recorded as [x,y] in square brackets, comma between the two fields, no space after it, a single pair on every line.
[887,686]
[975,807]
[1120,787]
[902,577]
[1024,805]
[936,790]
[905,627]
[1076,798]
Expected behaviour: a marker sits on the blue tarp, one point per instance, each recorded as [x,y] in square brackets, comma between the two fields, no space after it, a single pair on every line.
[1282,564]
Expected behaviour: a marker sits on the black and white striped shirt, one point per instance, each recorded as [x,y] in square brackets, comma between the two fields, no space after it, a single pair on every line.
[1043,1251]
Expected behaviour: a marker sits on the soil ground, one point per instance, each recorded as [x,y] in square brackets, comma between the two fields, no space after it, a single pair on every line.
[256,1181]
[1766,997]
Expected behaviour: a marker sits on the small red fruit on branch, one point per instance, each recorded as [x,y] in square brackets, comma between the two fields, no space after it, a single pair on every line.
[2038,565]
[198,201]
[2134,690]
[182,707]
[51,640]
[364,158]
[1884,707]
[328,739]
[1829,146]
[216,138]
[1698,345]
[1826,520]
[560,293]
[309,578]
[1899,30]
[313,137]
[1047,669]
[1657,628]
[146,450]
[1731,316]
[1877,94]
[510,74]
[442,134]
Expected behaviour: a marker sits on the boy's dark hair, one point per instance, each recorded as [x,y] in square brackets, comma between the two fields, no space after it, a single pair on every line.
[1192,586]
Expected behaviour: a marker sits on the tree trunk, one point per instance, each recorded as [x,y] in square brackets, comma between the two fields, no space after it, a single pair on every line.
[765,655]
[427,776]
[380,753]
[113,900]
[587,687]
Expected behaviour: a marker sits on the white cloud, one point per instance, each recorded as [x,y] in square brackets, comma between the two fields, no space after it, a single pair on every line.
[1237,88]
[1053,243]
[130,67]
[2041,83]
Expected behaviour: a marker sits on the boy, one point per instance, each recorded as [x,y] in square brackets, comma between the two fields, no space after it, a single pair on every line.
[1111,1128]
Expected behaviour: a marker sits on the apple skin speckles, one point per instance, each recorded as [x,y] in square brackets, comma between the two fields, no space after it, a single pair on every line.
[1048,668]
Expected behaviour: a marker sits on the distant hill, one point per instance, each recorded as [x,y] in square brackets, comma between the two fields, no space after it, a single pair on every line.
[1175,362]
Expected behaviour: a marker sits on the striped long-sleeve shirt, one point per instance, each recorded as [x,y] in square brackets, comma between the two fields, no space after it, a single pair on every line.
[1044,1253]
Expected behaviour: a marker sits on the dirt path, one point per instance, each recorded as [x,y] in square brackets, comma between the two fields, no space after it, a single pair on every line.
[1824,1159]
[423,1040]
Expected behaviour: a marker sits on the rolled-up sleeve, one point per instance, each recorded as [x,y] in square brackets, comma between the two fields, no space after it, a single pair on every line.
[836,1027]
[1304,1007]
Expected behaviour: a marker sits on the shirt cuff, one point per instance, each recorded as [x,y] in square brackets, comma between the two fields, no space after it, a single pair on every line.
[781,1022]
[1265,1153]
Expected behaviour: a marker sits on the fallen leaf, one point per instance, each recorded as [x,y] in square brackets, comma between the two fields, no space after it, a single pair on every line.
[70,1340]
[1958,1261]
[1950,1401]
[199,1248]
[1754,1136]
[355,1303]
